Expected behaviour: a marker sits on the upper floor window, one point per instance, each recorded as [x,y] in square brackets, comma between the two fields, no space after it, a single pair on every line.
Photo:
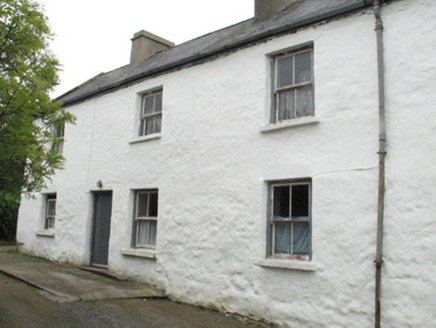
[50,211]
[290,219]
[60,136]
[151,113]
[293,85]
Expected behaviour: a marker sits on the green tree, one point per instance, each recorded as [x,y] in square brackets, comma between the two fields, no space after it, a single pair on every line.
[28,116]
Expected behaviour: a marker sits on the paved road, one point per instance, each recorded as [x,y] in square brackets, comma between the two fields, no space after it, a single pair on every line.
[22,305]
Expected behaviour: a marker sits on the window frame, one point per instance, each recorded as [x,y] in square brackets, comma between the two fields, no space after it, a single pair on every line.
[138,219]
[143,116]
[49,218]
[276,90]
[60,133]
[271,222]
[58,137]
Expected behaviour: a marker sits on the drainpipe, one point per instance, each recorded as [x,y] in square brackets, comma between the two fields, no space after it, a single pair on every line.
[382,154]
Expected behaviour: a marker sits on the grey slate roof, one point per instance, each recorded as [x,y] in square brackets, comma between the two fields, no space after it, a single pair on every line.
[298,15]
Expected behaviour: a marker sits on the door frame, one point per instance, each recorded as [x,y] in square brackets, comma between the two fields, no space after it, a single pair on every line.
[95,194]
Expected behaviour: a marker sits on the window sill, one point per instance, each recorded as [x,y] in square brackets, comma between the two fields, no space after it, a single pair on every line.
[135,252]
[46,233]
[146,138]
[287,264]
[289,124]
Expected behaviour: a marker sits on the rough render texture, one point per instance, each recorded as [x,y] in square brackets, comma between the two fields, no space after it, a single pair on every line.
[211,164]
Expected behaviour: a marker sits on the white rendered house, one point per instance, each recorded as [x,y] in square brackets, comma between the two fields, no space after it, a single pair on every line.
[243,170]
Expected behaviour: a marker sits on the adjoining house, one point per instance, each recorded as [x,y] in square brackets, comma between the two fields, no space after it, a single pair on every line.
[262,168]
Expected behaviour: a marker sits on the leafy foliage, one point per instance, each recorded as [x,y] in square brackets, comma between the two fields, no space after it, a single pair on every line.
[28,116]
[8,217]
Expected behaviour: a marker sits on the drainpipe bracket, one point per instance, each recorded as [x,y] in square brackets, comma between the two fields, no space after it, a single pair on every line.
[378,262]
[379,27]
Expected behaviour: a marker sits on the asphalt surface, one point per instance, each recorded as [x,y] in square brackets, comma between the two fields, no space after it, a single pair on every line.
[39,293]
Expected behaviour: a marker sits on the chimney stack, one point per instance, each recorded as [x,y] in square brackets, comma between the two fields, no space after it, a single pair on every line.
[266,8]
[145,45]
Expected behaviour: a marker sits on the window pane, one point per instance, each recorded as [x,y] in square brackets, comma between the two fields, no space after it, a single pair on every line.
[158,123]
[50,223]
[153,205]
[142,204]
[51,207]
[281,201]
[303,71]
[158,102]
[146,234]
[143,125]
[60,146]
[142,236]
[152,232]
[300,201]
[286,105]
[282,238]
[60,130]
[301,239]
[285,71]
[50,212]
[149,125]
[149,104]
[304,101]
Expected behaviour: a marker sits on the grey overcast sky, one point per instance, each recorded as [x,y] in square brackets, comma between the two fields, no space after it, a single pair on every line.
[93,36]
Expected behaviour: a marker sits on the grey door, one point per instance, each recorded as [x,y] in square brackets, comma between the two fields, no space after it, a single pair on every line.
[101,229]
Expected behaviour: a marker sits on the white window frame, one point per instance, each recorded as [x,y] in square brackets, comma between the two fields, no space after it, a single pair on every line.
[276,90]
[139,219]
[144,116]
[271,242]
[50,217]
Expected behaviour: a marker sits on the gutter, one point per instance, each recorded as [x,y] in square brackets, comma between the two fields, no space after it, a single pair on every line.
[197,57]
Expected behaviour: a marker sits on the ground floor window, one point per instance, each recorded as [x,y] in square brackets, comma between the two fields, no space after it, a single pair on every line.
[145,218]
[50,211]
[289,219]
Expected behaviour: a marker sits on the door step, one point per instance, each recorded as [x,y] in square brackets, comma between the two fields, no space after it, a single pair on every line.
[103,272]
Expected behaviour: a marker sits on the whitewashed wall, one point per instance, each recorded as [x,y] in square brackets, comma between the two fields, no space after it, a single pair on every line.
[409,285]
[212,163]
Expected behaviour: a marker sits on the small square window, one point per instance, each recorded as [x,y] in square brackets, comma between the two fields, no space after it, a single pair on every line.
[151,113]
[289,217]
[145,218]
[292,85]
[50,211]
